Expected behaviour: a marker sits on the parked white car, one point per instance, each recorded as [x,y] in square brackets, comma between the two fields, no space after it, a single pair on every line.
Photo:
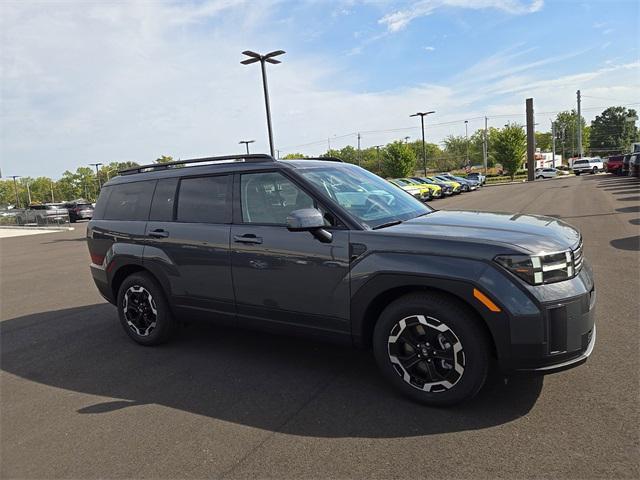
[588,165]
[546,173]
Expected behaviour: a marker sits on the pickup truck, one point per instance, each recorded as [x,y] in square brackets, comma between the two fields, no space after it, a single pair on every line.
[588,165]
[614,164]
[42,214]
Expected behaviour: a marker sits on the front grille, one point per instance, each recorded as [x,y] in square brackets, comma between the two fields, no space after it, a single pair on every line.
[578,257]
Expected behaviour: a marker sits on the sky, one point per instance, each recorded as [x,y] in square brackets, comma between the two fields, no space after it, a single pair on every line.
[86,82]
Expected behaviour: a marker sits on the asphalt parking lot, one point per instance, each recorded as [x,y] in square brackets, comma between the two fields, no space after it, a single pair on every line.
[80,400]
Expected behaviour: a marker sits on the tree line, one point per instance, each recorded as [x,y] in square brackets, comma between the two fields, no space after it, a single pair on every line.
[611,132]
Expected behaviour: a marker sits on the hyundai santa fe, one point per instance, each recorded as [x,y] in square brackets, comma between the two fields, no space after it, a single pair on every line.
[328,249]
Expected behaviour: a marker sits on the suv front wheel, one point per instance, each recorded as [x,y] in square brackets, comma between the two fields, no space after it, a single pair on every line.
[144,311]
[431,349]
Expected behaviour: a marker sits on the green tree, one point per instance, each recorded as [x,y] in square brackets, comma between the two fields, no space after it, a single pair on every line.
[111,170]
[613,131]
[434,153]
[566,131]
[293,156]
[164,159]
[510,146]
[398,160]
[544,141]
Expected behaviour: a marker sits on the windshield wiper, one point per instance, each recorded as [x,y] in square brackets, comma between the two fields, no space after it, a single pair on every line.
[388,224]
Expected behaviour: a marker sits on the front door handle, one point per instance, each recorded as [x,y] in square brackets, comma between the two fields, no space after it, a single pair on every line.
[247,238]
[158,233]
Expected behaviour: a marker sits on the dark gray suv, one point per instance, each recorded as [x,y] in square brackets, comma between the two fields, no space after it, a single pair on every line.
[325,248]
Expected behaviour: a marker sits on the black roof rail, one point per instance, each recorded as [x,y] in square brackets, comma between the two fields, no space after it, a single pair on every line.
[152,167]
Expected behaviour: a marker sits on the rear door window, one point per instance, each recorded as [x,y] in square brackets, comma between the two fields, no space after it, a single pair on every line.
[205,199]
[129,201]
[163,202]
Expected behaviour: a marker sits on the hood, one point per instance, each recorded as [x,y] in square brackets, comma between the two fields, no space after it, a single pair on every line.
[534,233]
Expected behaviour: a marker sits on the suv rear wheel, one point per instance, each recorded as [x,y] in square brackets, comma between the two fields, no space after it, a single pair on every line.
[594,170]
[431,349]
[143,310]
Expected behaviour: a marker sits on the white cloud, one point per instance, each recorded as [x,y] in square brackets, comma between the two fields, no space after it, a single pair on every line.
[429,49]
[399,19]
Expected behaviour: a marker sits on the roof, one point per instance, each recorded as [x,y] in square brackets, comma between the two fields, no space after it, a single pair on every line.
[208,165]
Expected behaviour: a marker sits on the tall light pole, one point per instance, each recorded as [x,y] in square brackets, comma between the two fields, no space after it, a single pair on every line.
[97,176]
[424,145]
[406,139]
[246,144]
[466,136]
[377,147]
[268,58]
[15,187]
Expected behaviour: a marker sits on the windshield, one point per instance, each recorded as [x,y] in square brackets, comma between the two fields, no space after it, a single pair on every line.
[369,198]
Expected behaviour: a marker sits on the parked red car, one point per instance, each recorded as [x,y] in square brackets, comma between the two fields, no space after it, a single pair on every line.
[614,164]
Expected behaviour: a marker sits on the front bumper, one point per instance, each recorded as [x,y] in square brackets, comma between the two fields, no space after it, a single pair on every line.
[542,329]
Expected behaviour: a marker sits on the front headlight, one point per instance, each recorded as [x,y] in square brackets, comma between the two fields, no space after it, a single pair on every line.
[540,269]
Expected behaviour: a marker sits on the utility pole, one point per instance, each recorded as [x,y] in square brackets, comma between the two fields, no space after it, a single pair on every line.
[553,140]
[51,185]
[97,175]
[424,145]
[28,191]
[563,133]
[406,139]
[268,58]
[531,141]
[359,148]
[485,147]
[278,151]
[579,127]
[15,187]
[466,136]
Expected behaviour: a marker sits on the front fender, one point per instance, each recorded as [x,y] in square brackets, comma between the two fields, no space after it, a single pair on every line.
[379,273]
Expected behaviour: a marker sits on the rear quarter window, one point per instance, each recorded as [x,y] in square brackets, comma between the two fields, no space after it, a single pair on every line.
[128,201]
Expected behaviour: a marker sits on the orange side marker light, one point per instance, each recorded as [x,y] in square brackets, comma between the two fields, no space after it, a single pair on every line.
[486,301]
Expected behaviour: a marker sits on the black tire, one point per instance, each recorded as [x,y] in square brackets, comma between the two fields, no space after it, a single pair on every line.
[145,327]
[442,312]
[577,173]
[539,177]
[594,170]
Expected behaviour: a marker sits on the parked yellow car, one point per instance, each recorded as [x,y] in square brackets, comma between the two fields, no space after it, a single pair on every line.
[415,190]
[457,188]
[436,190]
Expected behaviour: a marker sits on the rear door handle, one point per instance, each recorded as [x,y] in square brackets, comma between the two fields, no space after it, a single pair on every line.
[158,233]
[247,238]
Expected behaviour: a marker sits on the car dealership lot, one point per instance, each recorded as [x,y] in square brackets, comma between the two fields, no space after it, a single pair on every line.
[79,399]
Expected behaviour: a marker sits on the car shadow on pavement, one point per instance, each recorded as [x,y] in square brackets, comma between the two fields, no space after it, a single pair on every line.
[632,209]
[275,383]
[628,243]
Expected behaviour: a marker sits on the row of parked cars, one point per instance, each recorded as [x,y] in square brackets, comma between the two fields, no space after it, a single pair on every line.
[626,165]
[439,186]
[52,213]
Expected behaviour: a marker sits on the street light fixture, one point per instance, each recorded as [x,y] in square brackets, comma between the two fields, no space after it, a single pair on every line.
[268,58]
[97,176]
[424,145]
[246,143]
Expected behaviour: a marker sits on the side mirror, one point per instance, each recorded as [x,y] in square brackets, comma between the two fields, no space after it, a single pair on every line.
[309,220]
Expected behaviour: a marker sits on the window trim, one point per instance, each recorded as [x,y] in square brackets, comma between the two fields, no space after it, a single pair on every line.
[228,213]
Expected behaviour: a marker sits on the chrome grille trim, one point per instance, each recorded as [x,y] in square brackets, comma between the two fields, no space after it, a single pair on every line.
[578,257]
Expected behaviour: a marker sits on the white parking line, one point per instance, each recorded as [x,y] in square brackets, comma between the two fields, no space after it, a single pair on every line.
[19,232]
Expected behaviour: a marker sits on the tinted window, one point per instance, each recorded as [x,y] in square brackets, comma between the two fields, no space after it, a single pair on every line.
[205,199]
[270,198]
[129,201]
[101,203]
[163,200]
